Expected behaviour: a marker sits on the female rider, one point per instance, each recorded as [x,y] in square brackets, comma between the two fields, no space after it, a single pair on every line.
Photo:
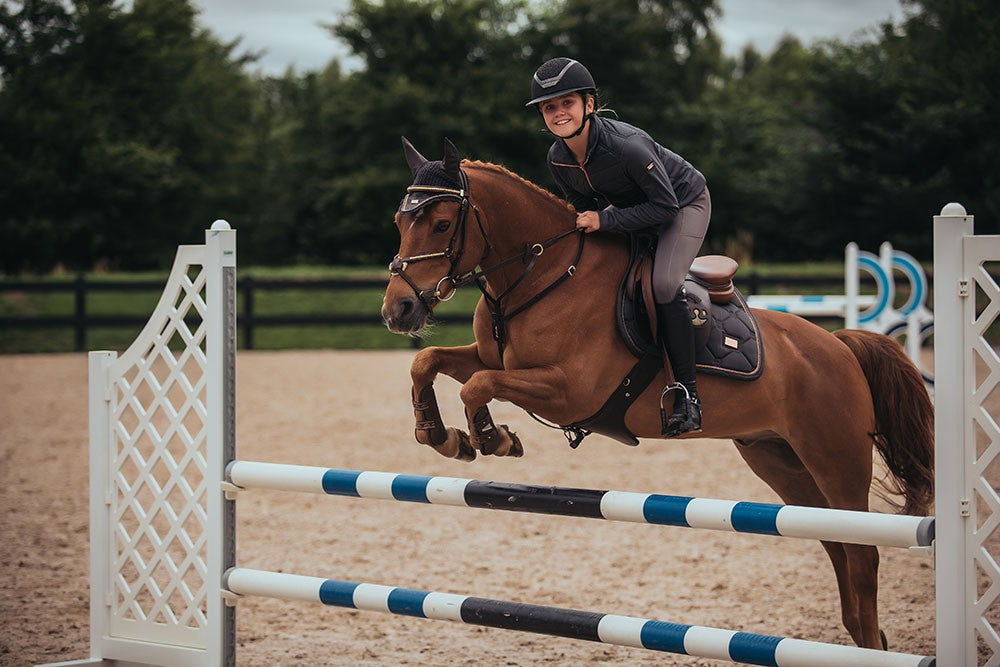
[619,179]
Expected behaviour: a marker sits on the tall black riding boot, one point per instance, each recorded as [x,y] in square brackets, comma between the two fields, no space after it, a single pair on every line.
[677,337]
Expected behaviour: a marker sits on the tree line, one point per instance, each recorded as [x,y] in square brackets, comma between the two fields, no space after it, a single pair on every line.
[126,128]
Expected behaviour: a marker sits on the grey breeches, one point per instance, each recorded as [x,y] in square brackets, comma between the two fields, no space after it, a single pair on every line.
[678,245]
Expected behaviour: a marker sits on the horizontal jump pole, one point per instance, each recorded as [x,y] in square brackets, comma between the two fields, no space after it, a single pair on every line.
[807,304]
[852,527]
[693,640]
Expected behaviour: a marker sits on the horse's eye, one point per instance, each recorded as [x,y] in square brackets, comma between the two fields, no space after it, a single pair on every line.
[441,226]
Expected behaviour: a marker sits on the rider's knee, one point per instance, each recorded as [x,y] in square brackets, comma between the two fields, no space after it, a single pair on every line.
[669,293]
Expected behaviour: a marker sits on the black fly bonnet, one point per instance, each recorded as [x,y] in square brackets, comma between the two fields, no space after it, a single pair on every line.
[433,181]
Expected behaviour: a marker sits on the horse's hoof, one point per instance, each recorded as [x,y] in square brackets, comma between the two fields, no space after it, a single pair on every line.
[515,449]
[457,446]
[465,452]
[885,642]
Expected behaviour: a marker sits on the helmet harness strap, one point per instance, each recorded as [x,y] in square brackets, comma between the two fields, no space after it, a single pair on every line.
[583,125]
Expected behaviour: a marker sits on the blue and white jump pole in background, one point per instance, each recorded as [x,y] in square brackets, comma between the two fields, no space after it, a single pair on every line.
[912,321]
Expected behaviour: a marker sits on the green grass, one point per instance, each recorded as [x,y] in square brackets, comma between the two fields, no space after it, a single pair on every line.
[315,272]
[832,270]
[291,301]
[351,337]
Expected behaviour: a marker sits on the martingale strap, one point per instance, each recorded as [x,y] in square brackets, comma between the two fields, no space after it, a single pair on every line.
[495,304]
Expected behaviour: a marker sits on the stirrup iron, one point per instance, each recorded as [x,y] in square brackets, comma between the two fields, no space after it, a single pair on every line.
[691,409]
[663,411]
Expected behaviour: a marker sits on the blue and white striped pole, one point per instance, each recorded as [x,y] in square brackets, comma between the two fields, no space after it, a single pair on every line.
[832,525]
[693,640]
[811,305]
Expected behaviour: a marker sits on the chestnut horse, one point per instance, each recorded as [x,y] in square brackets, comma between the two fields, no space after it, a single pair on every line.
[807,426]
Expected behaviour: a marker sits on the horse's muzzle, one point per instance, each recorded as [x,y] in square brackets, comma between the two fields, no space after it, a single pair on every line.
[404,315]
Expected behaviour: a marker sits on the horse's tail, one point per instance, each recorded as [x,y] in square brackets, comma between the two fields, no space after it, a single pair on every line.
[904,417]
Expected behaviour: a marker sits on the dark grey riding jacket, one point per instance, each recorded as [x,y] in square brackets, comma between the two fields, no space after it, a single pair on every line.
[632,181]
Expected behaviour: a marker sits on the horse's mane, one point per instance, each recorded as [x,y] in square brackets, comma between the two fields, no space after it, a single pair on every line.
[504,171]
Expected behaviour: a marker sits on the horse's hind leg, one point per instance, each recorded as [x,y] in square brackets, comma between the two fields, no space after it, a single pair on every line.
[856,566]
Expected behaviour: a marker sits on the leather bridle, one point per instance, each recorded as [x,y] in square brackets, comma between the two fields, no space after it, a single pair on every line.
[431,296]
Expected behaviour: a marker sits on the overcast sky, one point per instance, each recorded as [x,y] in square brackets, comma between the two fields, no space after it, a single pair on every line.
[289,31]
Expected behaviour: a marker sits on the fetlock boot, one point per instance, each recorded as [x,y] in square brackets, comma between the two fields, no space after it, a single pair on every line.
[677,338]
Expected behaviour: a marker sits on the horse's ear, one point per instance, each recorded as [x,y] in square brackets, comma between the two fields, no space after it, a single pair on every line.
[451,159]
[413,157]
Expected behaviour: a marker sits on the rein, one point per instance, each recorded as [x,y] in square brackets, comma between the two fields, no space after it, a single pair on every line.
[430,297]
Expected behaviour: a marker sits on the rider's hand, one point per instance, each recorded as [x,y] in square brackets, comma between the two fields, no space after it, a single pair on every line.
[588,221]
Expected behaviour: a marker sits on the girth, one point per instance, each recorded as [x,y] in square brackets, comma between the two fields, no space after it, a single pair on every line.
[610,419]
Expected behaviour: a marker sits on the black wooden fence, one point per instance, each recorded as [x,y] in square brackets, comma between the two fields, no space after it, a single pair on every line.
[248,287]
[248,319]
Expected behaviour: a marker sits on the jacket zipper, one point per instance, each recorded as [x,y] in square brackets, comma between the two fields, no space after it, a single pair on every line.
[585,175]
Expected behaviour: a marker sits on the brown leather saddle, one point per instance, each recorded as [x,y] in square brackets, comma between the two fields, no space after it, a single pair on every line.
[727,338]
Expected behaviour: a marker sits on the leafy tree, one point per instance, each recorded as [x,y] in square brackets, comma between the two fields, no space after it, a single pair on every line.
[290,146]
[125,128]
[909,123]
[431,70]
[757,142]
[123,131]
[34,39]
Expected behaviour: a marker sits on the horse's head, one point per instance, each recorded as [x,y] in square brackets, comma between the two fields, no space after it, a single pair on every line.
[436,246]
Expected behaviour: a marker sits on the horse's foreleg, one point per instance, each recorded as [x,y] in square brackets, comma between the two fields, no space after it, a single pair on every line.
[489,438]
[529,388]
[459,363]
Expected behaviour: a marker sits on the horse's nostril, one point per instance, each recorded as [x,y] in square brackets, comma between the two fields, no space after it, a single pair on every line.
[405,307]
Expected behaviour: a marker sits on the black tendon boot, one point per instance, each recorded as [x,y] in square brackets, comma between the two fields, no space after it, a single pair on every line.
[677,336]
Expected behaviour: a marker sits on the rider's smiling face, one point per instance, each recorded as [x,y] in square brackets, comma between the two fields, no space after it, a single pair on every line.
[563,115]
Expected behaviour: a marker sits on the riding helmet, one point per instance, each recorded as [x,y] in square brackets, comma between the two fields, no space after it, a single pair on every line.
[557,77]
